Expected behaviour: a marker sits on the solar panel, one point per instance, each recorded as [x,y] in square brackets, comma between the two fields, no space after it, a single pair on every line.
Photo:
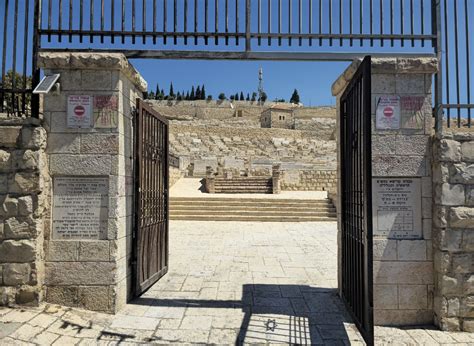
[46,84]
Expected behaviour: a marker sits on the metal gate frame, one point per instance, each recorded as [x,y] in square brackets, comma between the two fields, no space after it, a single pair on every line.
[151,177]
[356,200]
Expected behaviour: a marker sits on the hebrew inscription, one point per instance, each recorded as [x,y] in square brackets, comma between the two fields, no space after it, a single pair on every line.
[397,207]
[80,207]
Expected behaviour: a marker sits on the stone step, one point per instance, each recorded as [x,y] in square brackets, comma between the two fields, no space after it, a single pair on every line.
[175,212]
[259,218]
[248,201]
[243,208]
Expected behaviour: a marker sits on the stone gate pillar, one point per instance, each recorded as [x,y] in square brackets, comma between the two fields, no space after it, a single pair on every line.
[402,129]
[88,241]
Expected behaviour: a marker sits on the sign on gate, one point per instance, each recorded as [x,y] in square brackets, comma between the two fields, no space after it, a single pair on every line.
[79,111]
[388,113]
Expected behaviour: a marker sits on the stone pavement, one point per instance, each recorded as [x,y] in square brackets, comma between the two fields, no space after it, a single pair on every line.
[257,282]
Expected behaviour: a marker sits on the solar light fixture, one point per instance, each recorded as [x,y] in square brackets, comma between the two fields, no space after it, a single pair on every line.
[46,84]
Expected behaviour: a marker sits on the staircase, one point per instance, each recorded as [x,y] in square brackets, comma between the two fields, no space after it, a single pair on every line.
[243,185]
[250,209]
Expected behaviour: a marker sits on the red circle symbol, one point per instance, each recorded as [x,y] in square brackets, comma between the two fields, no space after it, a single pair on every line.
[79,110]
[388,112]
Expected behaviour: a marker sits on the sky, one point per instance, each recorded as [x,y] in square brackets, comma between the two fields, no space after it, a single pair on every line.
[313,80]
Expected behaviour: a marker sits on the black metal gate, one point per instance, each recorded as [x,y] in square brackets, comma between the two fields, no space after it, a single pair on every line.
[356,222]
[151,193]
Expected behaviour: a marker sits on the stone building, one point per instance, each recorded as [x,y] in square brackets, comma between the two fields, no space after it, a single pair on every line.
[278,116]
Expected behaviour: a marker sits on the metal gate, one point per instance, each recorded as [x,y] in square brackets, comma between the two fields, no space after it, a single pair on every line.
[357,276]
[151,197]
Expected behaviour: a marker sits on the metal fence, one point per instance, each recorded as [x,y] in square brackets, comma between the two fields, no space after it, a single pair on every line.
[247,29]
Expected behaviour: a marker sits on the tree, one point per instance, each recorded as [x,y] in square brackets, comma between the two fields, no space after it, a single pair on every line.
[242,96]
[203,93]
[187,96]
[295,98]
[198,93]
[191,96]
[222,97]
[171,90]
[157,92]
[248,97]
[264,96]
[232,97]
[151,95]
[254,97]
[179,97]
[209,97]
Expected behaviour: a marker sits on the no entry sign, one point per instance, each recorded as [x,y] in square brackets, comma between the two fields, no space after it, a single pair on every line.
[388,113]
[79,111]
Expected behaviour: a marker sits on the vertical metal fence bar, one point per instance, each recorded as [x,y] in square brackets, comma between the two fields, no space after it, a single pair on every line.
[81,19]
[91,18]
[15,40]
[259,21]
[4,52]
[248,15]
[35,72]
[216,21]
[468,62]
[289,20]
[185,21]
[70,19]
[165,17]
[320,22]
[196,22]
[206,19]
[226,22]
[25,54]
[456,56]
[102,9]
[422,13]
[50,9]
[154,21]
[371,9]
[60,19]
[300,21]
[279,21]
[112,20]
[330,23]
[269,22]
[341,26]
[392,14]
[412,23]
[237,22]
[446,58]
[310,20]
[351,16]
[381,23]
[402,22]
[361,21]
[144,21]
[175,21]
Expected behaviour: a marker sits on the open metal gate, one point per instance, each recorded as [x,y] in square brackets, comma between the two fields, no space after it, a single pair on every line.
[355,142]
[151,197]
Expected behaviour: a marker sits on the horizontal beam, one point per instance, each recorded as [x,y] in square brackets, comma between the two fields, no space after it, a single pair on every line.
[222,55]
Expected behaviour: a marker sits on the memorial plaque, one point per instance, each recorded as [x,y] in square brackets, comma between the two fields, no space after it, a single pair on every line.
[397,207]
[80,207]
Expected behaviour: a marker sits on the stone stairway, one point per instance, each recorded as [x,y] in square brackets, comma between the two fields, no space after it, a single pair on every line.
[250,209]
[243,185]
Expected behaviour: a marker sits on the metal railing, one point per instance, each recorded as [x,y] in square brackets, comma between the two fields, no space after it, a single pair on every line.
[244,29]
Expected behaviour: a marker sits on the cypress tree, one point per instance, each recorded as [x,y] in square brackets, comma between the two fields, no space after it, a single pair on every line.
[203,93]
[192,97]
[198,93]
[171,90]
[241,96]
[295,98]
[157,92]
[187,96]
[248,97]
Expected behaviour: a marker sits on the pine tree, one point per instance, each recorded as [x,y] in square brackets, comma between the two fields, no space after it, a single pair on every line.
[151,95]
[222,96]
[198,93]
[157,92]
[191,96]
[264,97]
[163,93]
[171,90]
[187,96]
[295,98]
[203,93]
[248,97]
[236,96]
[178,97]
[241,96]
[232,97]
[254,97]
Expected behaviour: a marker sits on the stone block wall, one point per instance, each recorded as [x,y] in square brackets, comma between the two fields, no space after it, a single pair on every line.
[92,273]
[309,180]
[23,178]
[175,175]
[402,268]
[453,230]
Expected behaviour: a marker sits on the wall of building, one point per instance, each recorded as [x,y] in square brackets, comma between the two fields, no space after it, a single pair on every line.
[402,268]
[92,273]
[309,180]
[453,230]
[23,178]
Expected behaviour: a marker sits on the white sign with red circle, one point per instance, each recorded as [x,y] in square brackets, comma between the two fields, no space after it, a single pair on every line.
[79,111]
[388,112]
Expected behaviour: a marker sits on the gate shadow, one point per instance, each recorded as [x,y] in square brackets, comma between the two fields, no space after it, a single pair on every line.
[296,314]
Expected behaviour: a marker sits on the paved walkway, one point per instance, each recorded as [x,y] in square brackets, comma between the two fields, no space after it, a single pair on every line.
[190,187]
[257,282]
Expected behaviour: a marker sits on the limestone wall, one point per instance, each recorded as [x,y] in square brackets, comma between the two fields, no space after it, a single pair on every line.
[402,262]
[92,272]
[309,180]
[453,230]
[175,175]
[209,146]
[23,178]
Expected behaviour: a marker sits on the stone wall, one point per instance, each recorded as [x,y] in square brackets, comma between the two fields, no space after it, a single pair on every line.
[402,267]
[92,273]
[227,146]
[309,180]
[453,230]
[175,175]
[23,178]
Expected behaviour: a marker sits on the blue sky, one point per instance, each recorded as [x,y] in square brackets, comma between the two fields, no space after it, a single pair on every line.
[312,79]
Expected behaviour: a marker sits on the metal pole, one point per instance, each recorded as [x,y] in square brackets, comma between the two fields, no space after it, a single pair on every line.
[436,12]
[247,26]
[35,72]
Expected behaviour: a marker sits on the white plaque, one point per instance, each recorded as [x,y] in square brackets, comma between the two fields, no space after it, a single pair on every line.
[79,111]
[388,113]
[80,207]
[397,207]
